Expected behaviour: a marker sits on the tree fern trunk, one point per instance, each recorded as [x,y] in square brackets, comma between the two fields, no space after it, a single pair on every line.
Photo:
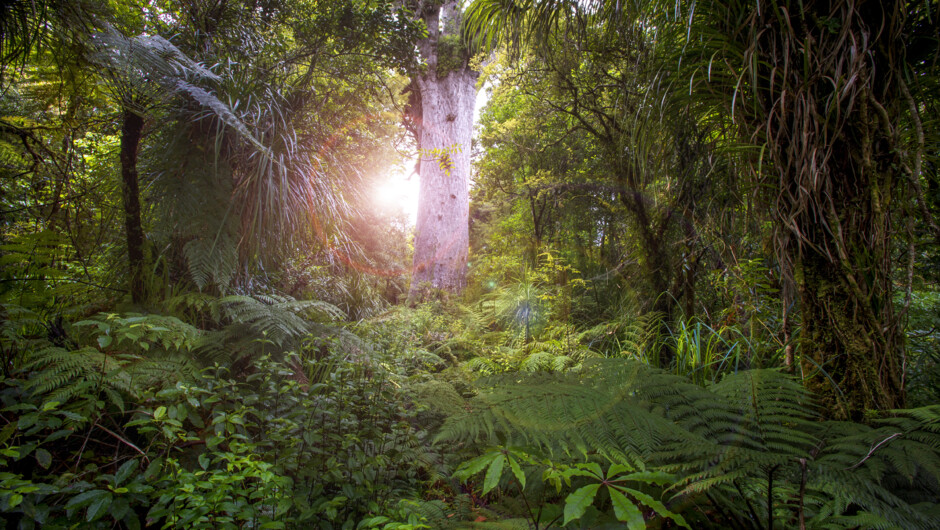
[131,134]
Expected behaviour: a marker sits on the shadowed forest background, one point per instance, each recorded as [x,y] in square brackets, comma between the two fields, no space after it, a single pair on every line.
[683,269]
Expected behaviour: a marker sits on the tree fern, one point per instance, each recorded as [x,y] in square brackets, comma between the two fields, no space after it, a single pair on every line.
[440,396]
[212,261]
[84,375]
[251,325]
[744,444]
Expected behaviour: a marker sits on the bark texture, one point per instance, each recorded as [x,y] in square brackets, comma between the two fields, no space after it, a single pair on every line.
[443,99]
[131,133]
[834,184]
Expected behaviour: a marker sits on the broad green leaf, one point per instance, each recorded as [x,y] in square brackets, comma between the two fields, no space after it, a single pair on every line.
[132,521]
[617,469]
[626,511]
[159,413]
[124,472]
[659,507]
[119,508]
[578,501]
[85,498]
[155,467]
[104,341]
[98,507]
[7,432]
[593,468]
[44,458]
[472,467]
[493,473]
[517,471]
[61,433]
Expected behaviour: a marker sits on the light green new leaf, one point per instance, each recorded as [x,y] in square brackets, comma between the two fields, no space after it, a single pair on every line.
[578,501]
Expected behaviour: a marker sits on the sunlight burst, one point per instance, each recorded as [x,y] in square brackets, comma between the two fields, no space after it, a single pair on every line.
[398,193]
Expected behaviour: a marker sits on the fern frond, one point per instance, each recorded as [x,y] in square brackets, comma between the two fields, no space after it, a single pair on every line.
[439,395]
[731,440]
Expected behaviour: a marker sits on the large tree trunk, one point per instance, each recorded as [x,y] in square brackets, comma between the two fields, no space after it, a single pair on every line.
[852,338]
[833,184]
[443,116]
[131,133]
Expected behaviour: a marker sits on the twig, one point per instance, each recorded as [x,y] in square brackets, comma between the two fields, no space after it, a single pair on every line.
[750,507]
[126,442]
[874,448]
[802,492]
[78,457]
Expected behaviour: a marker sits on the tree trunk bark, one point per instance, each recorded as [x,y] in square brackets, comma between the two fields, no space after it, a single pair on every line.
[131,133]
[443,116]
[851,337]
[833,187]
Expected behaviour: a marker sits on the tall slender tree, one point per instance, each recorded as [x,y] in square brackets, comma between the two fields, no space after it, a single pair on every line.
[441,110]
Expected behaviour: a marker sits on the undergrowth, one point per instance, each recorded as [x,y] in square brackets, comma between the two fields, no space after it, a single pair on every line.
[259,412]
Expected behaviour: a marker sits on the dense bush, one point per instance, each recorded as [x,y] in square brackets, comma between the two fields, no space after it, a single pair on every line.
[270,448]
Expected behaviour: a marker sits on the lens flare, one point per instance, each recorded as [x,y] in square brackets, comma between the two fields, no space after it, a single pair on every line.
[398,193]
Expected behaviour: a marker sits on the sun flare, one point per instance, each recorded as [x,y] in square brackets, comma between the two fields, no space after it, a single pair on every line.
[398,192]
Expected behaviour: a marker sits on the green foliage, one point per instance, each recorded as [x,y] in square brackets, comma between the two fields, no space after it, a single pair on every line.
[240,328]
[627,272]
[923,336]
[333,450]
[452,55]
[270,450]
[704,354]
[40,268]
[750,438]
[615,481]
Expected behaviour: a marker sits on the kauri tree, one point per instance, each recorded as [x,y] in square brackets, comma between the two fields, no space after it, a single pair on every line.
[440,112]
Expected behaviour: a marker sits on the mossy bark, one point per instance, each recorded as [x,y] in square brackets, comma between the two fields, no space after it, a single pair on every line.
[832,158]
[852,360]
